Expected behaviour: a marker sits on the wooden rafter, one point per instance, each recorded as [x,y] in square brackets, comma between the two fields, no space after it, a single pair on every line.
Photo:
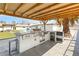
[66,13]
[52,10]
[18,8]
[48,11]
[5,7]
[74,13]
[31,8]
[61,11]
[43,9]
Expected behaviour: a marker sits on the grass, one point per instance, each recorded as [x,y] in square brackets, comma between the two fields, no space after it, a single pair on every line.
[4,35]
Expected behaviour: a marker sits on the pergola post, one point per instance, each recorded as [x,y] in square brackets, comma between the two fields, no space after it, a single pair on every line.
[66,26]
[44,24]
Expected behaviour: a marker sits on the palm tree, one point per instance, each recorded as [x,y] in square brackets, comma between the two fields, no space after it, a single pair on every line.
[72,20]
[59,21]
[65,23]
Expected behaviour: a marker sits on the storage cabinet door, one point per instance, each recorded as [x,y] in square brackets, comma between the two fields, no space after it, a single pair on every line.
[36,41]
[26,44]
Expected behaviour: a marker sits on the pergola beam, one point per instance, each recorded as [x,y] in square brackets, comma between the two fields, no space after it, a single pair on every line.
[14,15]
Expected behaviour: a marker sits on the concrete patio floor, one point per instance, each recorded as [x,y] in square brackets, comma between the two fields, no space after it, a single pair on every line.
[76,48]
[66,48]
[39,50]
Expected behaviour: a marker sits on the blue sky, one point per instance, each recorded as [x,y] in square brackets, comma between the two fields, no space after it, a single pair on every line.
[9,19]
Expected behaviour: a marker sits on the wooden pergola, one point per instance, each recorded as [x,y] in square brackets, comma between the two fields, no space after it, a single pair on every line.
[68,12]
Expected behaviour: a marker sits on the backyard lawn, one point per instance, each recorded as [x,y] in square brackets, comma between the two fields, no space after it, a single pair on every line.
[4,35]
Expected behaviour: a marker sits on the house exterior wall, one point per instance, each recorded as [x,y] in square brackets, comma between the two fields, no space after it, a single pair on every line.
[50,27]
[6,28]
[24,28]
[21,28]
[0,28]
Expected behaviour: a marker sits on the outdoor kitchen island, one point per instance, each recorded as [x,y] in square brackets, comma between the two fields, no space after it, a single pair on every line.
[30,40]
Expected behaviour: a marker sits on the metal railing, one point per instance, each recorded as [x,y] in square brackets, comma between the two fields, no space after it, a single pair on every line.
[13,47]
[7,46]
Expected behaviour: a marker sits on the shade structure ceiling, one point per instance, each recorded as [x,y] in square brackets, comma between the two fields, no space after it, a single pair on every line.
[40,11]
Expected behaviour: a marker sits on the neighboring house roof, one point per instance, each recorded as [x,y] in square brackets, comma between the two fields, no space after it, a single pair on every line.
[42,24]
[7,24]
[22,25]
